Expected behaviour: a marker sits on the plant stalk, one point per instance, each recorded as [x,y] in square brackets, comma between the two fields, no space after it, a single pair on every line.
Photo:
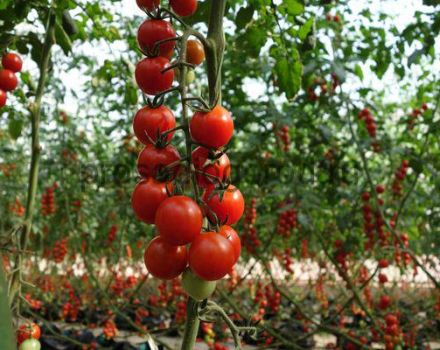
[191,326]
[35,114]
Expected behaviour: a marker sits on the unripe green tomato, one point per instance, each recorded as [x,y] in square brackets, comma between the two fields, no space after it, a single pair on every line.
[362,324]
[195,287]
[30,344]
[190,76]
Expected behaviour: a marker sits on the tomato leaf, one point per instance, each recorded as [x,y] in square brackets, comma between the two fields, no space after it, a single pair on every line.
[294,7]
[62,39]
[289,75]
[14,127]
[244,16]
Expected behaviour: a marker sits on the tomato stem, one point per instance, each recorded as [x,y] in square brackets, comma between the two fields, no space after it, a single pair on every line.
[35,113]
[191,325]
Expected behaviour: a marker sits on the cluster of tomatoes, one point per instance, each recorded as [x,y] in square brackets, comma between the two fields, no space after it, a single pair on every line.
[12,64]
[250,237]
[335,18]
[371,126]
[110,330]
[341,255]
[157,39]
[373,220]
[320,87]
[178,218]
[48,200]
[393,333]
[111,236]
[415,114]
[17,208]
[283,134]
[399,176]
[287,221]
[60,250]
[27,336]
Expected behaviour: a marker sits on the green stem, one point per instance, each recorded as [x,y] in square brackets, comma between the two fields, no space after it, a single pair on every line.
[35,111]
[215,50]
[191,325]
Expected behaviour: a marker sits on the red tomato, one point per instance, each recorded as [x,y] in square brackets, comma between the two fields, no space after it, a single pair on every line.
[152,31]
[229,209]
[163,260]
[217,168]
[213,129]
[179,220]
[149,5]
[150,78]
[12,62]
[184,8]
[152,162]
[229,233]
[8,80]
[2,98]
[147,196]
[153,122]
[28,331]
[383,263]
[211,256]
[195,53]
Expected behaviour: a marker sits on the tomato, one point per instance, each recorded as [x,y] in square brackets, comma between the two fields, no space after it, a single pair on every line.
[229,233]
[190,75]
[12,62]
[216,167]
[152,31]
[179,220]
[150,78]
[195,53]
[147,196]
[30,344]
[2,98]
[229,209]
[8,80]
[195,287]
[153,122]
[149,5]
[27,331]
[154,161]
[213,129]
[211,256]
[163,260]
[184,8]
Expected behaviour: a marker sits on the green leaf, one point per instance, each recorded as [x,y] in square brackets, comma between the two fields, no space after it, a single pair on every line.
[288,73]
[254,39]
[358,71]
[415,57]
[4,4]
[15,126]
[244,16]
[62,38]
[305,29]
[294,7]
